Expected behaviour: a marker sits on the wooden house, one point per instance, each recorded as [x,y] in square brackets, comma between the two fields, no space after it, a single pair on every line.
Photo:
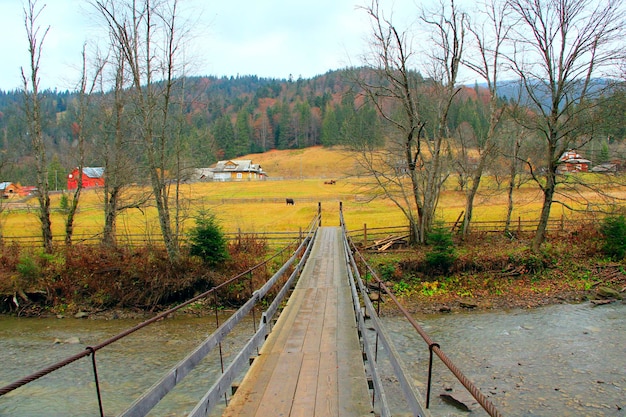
[92,177]
[9,190]
[238,170]
[571,162]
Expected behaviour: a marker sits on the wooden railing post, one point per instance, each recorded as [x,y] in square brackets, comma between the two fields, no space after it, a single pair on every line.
[364,234]
[319,212]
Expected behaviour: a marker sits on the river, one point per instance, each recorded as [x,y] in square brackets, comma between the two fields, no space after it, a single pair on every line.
[563,360]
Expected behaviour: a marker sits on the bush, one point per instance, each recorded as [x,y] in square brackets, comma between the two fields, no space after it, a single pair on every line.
[443,254]
[614,231]
[207,241]
[28,269]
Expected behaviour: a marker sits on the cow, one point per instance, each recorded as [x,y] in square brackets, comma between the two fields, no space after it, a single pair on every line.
[331,182]
[290,201]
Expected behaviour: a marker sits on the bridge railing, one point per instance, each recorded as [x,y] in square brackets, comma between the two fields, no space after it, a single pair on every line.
[142,405]
[368,312]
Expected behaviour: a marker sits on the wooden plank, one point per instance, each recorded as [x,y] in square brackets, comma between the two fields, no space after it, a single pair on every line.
[278,397]
[326,401]
[246,400]
[313,334]
[306,391]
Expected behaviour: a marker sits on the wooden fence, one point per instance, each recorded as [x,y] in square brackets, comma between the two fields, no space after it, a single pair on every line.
[370,234]
[273,239]
[364,234]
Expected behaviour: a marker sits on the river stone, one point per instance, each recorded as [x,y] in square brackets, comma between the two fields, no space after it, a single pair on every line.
[72,341]
[462,401]
[81,315]
[468,304]
[374,296]
[606,292]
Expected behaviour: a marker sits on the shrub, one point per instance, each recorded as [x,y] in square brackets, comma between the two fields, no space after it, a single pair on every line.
[64,203]
[614,231]
[442,254]
[28,268]
[207,241]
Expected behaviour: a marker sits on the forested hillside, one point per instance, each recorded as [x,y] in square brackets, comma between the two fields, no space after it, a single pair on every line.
[219,118]
[223,118]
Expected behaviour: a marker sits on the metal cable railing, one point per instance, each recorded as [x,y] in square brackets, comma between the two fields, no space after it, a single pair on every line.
[434,348]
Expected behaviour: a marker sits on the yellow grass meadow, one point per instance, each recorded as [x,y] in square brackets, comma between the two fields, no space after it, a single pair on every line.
[259,206]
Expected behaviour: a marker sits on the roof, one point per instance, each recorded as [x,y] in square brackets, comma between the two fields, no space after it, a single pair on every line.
[605,167]
[237,165]
[576,161]
[93,172]
[573,157]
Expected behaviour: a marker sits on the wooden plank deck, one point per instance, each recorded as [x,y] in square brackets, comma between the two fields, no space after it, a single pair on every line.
[311,363]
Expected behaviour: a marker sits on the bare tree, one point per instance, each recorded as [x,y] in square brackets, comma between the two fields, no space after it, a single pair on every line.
[392,84]
[148,36]
[559,47]
[410,170]
[118,151]
[86,88]
[447,26]
[32,109]
[489,36]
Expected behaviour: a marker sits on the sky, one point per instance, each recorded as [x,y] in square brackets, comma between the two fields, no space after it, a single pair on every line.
[268,38]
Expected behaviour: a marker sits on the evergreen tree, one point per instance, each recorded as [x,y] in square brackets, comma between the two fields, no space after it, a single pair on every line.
[330,127]
[243,134]
[604,154]
[224,135]
[284,133]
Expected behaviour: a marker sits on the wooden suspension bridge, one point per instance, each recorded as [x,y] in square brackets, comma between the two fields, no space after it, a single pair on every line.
[314,358]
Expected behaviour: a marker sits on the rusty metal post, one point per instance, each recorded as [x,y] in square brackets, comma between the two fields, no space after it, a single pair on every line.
[95,374]
[430,373]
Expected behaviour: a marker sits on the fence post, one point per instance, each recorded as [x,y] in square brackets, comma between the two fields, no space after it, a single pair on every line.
[519,224]
[562,223]
[364,234]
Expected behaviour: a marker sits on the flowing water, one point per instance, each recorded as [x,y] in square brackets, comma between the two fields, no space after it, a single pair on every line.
[126,368]
[564,360]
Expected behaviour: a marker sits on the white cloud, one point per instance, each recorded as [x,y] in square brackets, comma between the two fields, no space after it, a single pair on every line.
[269,38]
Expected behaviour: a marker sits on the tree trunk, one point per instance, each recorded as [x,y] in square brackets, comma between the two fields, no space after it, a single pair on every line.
[33,115]
[109,234]
[548,195]
[469,204]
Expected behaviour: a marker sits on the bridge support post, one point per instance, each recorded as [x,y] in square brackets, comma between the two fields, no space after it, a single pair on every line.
[319,212]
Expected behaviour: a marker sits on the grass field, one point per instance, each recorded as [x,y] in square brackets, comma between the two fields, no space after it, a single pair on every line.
[260,206]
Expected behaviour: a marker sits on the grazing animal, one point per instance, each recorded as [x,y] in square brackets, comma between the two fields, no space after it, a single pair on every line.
[330,182]
[290,201]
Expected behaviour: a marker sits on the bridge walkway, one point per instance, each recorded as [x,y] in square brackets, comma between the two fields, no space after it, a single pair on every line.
[311,363]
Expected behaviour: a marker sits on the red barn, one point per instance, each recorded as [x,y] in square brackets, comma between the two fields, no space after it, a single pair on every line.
[92,177]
